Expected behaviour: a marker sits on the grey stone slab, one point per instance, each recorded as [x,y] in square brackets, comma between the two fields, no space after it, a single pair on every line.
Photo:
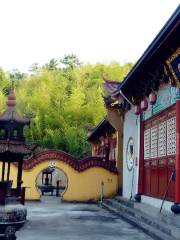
[53,220]
[156,234]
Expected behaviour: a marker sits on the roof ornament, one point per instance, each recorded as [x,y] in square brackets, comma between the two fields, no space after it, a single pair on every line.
[172,68]
[112,88]
[10,114]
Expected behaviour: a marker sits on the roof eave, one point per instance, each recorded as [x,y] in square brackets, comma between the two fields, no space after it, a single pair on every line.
[170,25]
[100,125]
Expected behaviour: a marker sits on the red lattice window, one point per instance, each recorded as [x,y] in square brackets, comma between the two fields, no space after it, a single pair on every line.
[159,153]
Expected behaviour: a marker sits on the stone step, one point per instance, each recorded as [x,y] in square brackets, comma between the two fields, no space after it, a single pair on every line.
[125,201]
[150,225]
[164,216]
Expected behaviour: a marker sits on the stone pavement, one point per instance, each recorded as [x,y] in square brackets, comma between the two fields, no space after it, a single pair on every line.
[53,220]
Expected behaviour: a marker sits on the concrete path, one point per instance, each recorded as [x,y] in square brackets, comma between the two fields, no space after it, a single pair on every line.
[53,220]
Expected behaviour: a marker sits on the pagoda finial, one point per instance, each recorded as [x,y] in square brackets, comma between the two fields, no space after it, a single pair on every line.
[12,85]
[11,102]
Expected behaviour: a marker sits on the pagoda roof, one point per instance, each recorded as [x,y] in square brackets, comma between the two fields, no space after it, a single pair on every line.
[14,147]
[10,113]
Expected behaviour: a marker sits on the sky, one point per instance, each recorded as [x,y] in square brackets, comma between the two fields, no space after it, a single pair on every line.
[95,30]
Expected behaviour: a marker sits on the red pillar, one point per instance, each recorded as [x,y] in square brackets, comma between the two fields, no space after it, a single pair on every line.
[177,184]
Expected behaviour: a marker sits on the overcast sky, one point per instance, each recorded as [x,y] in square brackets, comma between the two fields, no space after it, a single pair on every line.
[95,30]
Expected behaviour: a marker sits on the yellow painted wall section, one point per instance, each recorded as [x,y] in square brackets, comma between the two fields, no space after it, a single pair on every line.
[82,186]
[13,173]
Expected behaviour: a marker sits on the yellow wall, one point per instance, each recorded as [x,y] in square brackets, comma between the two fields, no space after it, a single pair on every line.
[82,186]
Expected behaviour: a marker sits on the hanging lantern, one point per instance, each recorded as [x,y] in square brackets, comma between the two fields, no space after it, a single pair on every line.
[137,109]
[144,104]
[152,98]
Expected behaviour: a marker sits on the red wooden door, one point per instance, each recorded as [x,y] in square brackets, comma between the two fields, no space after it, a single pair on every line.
[159,154]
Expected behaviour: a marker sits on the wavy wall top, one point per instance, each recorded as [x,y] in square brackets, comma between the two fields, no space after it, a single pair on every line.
[78,165]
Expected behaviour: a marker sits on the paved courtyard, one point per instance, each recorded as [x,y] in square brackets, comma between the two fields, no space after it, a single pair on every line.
[52,220]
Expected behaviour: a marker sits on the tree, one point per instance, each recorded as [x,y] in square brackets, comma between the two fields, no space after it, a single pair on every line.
[70,61]
[16,75]
[34,68]
[52,65]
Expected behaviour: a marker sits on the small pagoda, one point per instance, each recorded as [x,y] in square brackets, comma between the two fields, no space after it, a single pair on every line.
[12,151]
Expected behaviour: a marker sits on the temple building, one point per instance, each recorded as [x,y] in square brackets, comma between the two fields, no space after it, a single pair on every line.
[148,100]
[103,139]
[106,142]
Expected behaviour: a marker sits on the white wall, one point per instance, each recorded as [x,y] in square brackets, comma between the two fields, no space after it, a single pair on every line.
[131,129]
[157,203]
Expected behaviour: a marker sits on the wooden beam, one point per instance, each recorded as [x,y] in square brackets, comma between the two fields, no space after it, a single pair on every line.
[8,172]
[3,170]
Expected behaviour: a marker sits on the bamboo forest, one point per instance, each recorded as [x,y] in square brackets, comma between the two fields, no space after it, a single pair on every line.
[63,97]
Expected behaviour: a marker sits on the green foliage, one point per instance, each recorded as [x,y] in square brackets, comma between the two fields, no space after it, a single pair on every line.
[16,75]
[52,65]
[4,83]
[70,61]
[62,101]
